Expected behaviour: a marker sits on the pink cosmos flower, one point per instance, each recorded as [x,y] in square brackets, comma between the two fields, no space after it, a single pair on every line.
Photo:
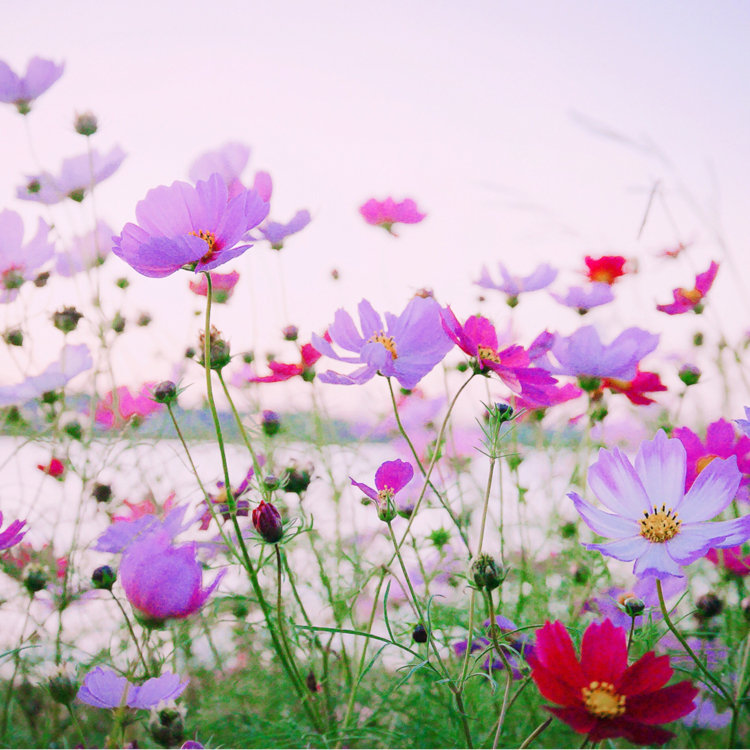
[387,213]
[55,468]
[40,75]
[85,251]
[478,338]
[635,390]
[691,299]
[200,227]
[513,286]
[732,559]
[281,371]
[104,688]
[654,521]
[75,179]
[600,695]
[606,269]
[584,299]
[230,161]
[19,262]
[128,405]
[161,580]
[744,424]
[722,441]
[275,234]
[13,534]
[390,478]
[223,286]
[407,347]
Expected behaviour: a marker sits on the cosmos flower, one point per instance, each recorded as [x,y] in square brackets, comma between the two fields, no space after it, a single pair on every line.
[40,75]
[275,233]
[161,580]
[606,269]
[18,262]
[513,286]
[13,534]
[600,695]
[55,468]
[635,390]
[407,347]
[387,213]
[281,371]
[141,404]
[229,161]
[85,251]
[653,521]
[744,424]
[731,559]
[691,299]
[515,648]
[222,286]
[583,353]
[75,179]
[390,478]
[584,299]
[200,227]
[73,360]
[478,338]
[125,531]
[104,688]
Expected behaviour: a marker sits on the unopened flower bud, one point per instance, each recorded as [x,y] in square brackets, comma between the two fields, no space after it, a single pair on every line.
[165,392]
[118,323]
[41,279]
[122,282]
[689,374]
[35,579]
[189,353]
[439,537]
[270,422]
[297,480]
[248,357]
[462,366]
[419,634]
[102,493]
[271,482]
[487,573]
[581,574]
[167,725]
[633,606]
[290,333]
[709,605]
[267,522]
[239,608]
[698,339]
[511,300]
[219,352]
[103,577]
[335,274]
[62,686]
[74,429]
[86,124]
[66,320]
[14,337]
[144,319]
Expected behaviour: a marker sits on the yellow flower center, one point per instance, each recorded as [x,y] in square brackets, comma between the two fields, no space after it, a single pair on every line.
[704,461]
[386,341]
[659,525]
[210,239]
[602,701]
[485,352]
[692,294]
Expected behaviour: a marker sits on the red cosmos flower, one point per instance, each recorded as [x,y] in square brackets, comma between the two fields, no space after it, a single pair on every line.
[606,269]
[600,695]
[642,383]
[731,559]
[691,299]
[281,371]
[55,468]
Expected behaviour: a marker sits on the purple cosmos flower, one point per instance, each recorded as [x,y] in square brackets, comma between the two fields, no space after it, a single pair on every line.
[163,581]
[691,299]
[654,522]
[583,353]
[706,716]
[76,177]
[744,424]
[13,534]
[390,478]
[40,75]
[179,225]
[122,533]
[276,233]
[85,251]
[407,347]
[104,688]
[19,262]
[73,361]
[520,645]
[230,161]
[478,338]
[540,278]
[387,213]
[585,298]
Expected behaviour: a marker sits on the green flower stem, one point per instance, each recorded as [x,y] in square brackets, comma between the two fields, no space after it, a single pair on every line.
[536,733]
[16,664]
[248,565]
[630,634]
[77,723]
[147,671]
[506,665]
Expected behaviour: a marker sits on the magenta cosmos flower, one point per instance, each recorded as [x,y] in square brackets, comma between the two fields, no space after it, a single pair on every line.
[163,581]
[75,179]
[230,161]
[199,227]
[19,262]
[387,213]
[600,695]
[691,299]
[390,478]
[653,521]
[478,338]
[222,283]
[104,688]
[281,371]
[139,404]
[13,534]
[406,347]
[40,75]
[275,234]
[513,286]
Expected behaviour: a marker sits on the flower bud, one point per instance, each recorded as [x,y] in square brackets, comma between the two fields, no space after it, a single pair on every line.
[270,422]
[219,353]
[633,606]
[35,579]
[74,429]
[86,124]
[419,634]
[102,493]
[296,480]
[698,339]
[122,282]
[167,725]
[709,605]
[439,538]
[486,572]
[165,392]
[144,319]
[335,274]
[290,333]
[41,279]
[267,522]
[511,300]
[689,374]
[271,482]
[62,686]
[462,366]
[118,323]
[103,578]
[66,320]
[14,337]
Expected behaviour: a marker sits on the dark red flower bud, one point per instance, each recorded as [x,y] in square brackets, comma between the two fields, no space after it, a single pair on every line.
[267,522]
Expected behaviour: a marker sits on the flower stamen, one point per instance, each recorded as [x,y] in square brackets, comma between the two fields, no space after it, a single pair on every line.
[386,341]
[488,354]
[601,700]
[210,239]
[659,525]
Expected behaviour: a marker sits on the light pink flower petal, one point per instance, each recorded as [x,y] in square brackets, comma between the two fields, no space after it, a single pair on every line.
[618,487]
[605,524]
[656,561]
[661,466]
[623,549]
[714,488]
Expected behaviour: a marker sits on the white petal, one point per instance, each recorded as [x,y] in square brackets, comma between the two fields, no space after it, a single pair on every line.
[656,561]
[617,486]
[623,549]
[713,489]
[661,465]
[603,523]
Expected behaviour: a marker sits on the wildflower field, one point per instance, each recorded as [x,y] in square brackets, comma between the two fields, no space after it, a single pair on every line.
[431,526]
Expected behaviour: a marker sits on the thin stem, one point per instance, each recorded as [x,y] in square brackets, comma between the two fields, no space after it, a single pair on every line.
[537,732]
[630,634]
[506,666]
[17,662]
[132,633]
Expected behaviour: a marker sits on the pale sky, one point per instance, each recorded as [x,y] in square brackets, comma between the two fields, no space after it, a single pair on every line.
[489,114]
